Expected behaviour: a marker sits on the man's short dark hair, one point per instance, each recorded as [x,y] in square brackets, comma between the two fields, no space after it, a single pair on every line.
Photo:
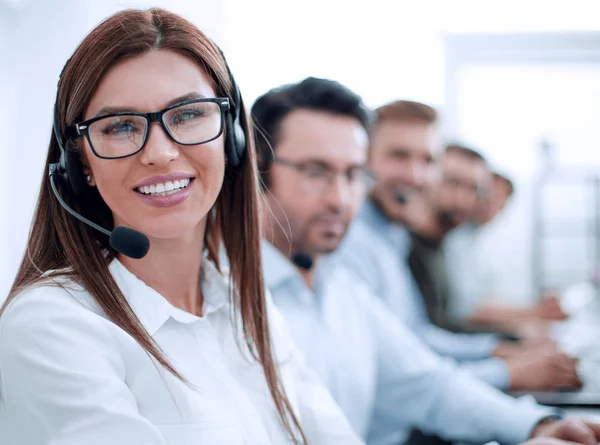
[270,109]
[465,151]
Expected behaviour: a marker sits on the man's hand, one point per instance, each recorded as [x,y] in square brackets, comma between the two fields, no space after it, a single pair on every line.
[510,349]
[549,309]
[573,430]
[534,329]
[542,371]
[547,441]
[504,350]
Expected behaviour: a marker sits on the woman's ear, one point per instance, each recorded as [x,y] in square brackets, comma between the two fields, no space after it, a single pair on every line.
[87,171]
[89,178]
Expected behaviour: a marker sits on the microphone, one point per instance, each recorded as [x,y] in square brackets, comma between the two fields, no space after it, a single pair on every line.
[302,260]
[129,242]
[124,240]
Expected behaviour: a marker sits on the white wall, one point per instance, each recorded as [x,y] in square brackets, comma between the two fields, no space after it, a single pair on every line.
[8,84]
[382,49]
[512,92]
[372,47]
[386,50]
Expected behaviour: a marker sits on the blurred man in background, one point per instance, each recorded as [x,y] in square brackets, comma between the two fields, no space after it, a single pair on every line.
[449,201]
[403,144]
[468,202]
[500,190]
[312,145]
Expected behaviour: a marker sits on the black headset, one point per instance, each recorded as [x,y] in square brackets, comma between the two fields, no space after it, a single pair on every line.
[69,171]
[235,138]
[69,167]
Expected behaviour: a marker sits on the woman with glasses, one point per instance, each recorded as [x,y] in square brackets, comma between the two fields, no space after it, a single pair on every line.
[121,326]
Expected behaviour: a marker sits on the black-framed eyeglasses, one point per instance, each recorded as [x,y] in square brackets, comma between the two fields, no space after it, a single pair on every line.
[118,135]
[318,177]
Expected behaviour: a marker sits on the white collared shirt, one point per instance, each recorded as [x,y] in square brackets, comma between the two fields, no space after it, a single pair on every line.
[376,250]
[384,378]
[69,376]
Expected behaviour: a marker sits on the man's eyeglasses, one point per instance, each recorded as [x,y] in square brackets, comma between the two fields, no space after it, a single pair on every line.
[457,183]
[123,134]
[318,177]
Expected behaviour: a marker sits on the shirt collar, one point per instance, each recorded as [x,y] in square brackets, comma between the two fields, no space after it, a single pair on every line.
[153,310]
[370,213]
[283,279]
[216,287]
[277,269]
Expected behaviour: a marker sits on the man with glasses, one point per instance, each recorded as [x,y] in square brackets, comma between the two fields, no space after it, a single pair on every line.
[448,202]
[404,143]
[474,272]
[312,145]
[442,258]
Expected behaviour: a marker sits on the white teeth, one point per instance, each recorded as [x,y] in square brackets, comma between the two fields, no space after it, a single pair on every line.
[164,189]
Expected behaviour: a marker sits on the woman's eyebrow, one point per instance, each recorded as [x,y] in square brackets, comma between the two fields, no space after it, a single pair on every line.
[121,109]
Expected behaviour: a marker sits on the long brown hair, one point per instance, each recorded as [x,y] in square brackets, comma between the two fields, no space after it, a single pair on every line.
[60,243]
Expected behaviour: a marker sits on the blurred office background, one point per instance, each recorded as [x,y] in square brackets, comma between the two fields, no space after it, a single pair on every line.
[517,79]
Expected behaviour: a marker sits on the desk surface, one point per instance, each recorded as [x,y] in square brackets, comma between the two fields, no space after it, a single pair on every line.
[583,398]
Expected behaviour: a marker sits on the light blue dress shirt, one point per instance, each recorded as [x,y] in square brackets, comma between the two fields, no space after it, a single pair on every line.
[376,250]
[384,379]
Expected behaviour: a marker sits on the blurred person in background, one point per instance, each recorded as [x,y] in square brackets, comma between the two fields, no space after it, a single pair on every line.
[495,199]
[449,201]
[490,210]
[404,142]
[312,146]
[470,299]
[443,256]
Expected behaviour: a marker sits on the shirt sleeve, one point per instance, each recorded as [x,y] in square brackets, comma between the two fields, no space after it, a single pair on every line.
[417,388]
[321,418]
[61,377]
[475,350]
[359,256]
[451,344]
[493,371]
[456,345]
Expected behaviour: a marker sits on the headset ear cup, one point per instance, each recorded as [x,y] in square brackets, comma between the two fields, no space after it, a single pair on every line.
[231,143]
[235,137]
[74,170]
[240,139]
